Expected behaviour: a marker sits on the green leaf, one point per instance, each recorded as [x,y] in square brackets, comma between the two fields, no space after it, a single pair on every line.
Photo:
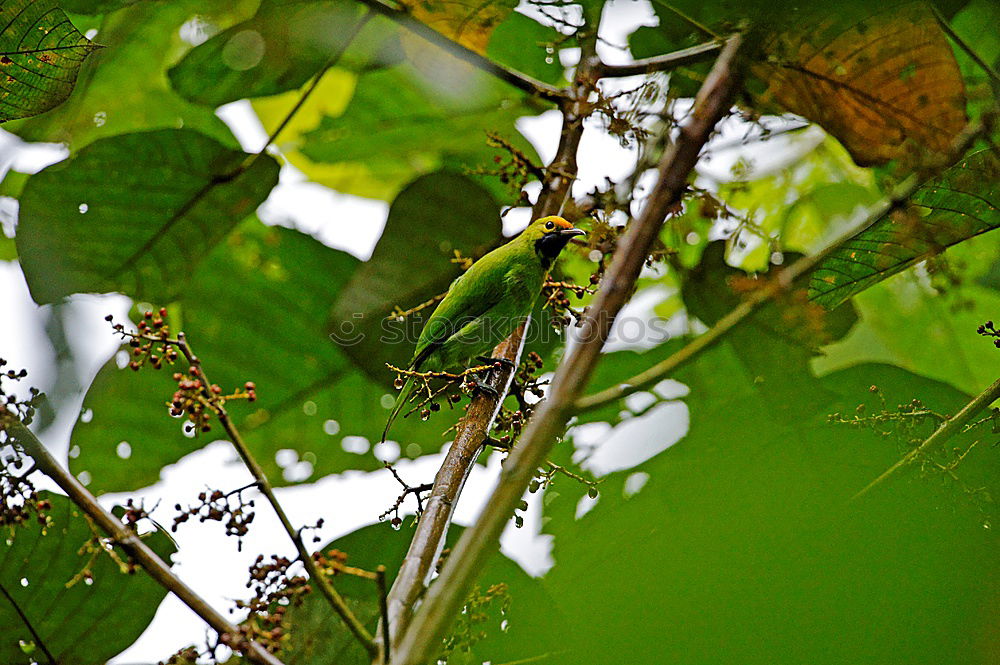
[907,323]
[316,636]
[405,121]
[123,88]
[8,250]
[432,218]
[134,213]
[257,309]
[527,46]
[40,56]
[959,204]
[82,624]
[277,50]
[744,529]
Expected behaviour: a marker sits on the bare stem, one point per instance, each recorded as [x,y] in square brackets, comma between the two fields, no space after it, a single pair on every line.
[662,63]
[332,596]
[129,540]
[479,542]
[945,431]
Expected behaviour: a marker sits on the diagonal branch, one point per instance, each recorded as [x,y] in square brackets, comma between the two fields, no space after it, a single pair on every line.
[472,431]
[515,78]
[945,431]
[129,540]
[784,279]
[479,542]
[662,63]
[332,596]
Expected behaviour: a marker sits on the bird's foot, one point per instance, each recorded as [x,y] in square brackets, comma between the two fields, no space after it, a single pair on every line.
[483,387]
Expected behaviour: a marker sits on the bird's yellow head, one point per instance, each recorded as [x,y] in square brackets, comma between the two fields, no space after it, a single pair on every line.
[549,236]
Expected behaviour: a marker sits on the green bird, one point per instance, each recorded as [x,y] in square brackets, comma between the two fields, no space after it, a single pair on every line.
[486,303]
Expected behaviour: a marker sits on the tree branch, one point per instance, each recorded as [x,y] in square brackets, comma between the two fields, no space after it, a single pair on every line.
[517,79]
[784,279]
[661,63]
[479,542]
[945,431]
[472,430]
[332,596]
[129,540]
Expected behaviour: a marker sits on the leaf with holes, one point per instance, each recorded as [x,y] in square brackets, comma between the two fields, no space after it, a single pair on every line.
[124,89]
[961,203]
[881,78]
[80,623]
[134,213]
[40,56]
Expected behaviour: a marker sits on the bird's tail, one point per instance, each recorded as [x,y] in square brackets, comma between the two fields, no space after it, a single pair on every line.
[401,401]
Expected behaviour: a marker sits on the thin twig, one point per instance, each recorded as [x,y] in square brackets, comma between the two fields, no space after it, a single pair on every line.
[782,282]
[478,543]
[515,78]
[945,431]
[129,540]
[985,66]
[662,63]
[39,642]
[332,596]
[383,602]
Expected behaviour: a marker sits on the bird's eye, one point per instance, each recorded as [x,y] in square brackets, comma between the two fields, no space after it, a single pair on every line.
[549,225]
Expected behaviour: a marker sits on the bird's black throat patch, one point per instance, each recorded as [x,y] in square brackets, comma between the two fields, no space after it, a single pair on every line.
[549,245]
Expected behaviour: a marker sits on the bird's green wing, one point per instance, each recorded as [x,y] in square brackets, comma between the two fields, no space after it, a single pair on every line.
[470,296]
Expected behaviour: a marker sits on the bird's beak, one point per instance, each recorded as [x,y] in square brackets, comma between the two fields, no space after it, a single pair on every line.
[572,232]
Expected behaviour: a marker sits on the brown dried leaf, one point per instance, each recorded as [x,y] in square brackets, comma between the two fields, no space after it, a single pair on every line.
[886,84]
[468,22]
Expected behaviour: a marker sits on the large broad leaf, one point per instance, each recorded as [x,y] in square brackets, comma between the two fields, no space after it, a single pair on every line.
[277,50]
[884,82]
[40,56]
[257,309]
[961,203]
[432,218]
[405,121]
[134,213]
[316,636]
[742,541]
[123,87]
[880,77]
[83,623]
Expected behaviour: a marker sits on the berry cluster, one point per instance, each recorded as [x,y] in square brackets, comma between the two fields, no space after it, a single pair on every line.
[273,589]
[904,422]
[556,299]
[199,400]
[150,343]
[987,330]
[228,507]
[19,499]
[11,405]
